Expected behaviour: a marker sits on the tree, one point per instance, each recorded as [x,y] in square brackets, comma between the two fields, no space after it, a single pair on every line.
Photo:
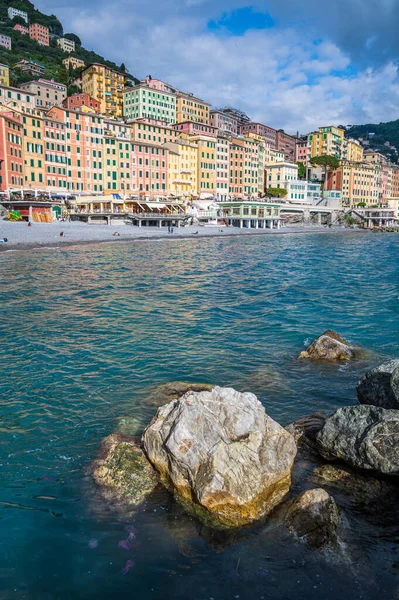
[17,20]
[123,68]
[276,192]
[73,37]
[327,162]
[301,170]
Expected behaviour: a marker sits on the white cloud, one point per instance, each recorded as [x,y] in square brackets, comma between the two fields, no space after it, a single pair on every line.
[279,76]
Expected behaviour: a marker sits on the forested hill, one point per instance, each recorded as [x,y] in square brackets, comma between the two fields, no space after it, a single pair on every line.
[383,137]
[50,57]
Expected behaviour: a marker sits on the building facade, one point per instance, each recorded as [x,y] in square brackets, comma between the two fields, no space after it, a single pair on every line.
[72,61]
[106,86]
[39,33]
[286,144]
[226,124]
[22,30]
[141,101]
[278,175]
[48,93]
[80,100]
[16,97]
[15,12]
[4,75]
[143,131]
[11,160]
[66,45]
[190,108]
[192,128]
[149,169]
[182,168]
[268,133]
[222,167]
[237,161]
[5,41]
[327,140]
[30,66]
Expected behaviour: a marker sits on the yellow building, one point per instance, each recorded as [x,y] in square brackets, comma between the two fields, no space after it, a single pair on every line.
[190,108]
[73,62]
[182,168]
[206,163]
[328,140]
[148,132]
[354,151]
[106,86]
[4,75]
[33,149]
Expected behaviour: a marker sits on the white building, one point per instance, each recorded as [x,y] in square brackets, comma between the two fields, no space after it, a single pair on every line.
[66,45]
[15,12]
[222,168]
[280,174]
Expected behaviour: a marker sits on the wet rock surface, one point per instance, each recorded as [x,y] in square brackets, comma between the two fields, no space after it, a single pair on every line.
[173,390]
[365,437]
[380,386]
[305,431]
[314,518]
[123,472]
[330,346]
[224,459]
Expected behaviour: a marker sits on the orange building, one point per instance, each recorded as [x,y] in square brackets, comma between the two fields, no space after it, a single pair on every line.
[11,160]
[237,161]
[39,33]
[80,100]
[55,158]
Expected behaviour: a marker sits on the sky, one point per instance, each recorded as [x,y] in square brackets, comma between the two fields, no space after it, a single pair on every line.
[291,64]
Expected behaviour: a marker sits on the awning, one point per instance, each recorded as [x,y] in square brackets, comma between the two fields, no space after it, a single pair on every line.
[155,205]
[117,201]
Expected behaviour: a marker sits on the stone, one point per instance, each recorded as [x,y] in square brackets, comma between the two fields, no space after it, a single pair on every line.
[380,386]
[314,518]
[173,390]
[330,346]
[223,458]
[130,426]
[123,472]
[359,489]
[365,437]
[305,430]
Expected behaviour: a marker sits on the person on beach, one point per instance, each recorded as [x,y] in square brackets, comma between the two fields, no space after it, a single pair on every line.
[62,234]
[168,228]
[29,224]
[171,230]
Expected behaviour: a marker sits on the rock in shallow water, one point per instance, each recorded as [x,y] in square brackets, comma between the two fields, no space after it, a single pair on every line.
[224,459]
[380,386]
[314,518]
[123,471]
[305,430]
[330,346]
[365,437]
[173,390]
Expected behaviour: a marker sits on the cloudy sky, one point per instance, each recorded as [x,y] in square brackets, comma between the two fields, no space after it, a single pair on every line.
[295,64]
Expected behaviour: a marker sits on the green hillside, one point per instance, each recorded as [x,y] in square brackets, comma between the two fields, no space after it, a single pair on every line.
[50,57]
[383,132]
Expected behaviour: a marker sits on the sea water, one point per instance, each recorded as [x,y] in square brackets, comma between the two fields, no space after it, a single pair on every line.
[87,333]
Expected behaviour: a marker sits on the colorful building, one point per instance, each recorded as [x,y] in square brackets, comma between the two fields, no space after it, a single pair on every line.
[22,30]
[4,75]
[286,144]
[142,101]
[106,86]
[358,183]
[237,162]
[157,84]
[279,174]
[16,98]
[226,124]
[268,133]
[15,12]
[11,161]
[72,61]
[117,157]
[39,33]
[33,149]
[55,157]
[48,93]
[206,163]
[182,168]
[30,66]
[144,131]
[327,140]
[149,169]
[354,151]
[80,101]
[5,41]
[190,108]
[222,167]
[192,128]
[66,45]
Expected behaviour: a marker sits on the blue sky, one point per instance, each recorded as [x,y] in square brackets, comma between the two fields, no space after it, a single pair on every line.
[288,63]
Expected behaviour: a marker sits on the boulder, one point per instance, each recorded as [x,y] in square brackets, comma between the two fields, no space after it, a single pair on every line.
[380,386]
[224,459]
[123,471]
[173,390]
[330,346]
[314,518]
[305,430]
[365,437]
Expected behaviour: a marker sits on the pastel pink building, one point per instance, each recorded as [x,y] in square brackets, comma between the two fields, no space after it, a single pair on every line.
[192,128]
[161,86]
[149,169]
[22,29]
[301,151]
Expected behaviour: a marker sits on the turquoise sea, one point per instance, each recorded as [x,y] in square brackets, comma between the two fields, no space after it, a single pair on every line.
[87,333]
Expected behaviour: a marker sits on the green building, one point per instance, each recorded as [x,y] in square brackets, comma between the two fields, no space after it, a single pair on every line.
[143,102]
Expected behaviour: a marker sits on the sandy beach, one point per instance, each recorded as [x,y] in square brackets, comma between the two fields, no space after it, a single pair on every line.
[20,236]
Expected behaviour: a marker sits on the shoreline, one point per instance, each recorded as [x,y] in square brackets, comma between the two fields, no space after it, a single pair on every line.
[43,236]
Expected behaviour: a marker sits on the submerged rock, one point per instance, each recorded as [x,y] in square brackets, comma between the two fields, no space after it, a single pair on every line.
[365,437]
[314,518]
[224,459]
[130,426]
[330,346]
[380,386]
[305,430]
[123,471]
[173,390]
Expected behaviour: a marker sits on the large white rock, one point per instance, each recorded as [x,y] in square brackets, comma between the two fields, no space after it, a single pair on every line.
[221,455]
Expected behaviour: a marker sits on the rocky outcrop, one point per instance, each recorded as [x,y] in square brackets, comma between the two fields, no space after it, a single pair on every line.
[365,437]
[314,518]
[173,390]
[330,346]
[223,458]
[305,430]
[122,471]
[380,386]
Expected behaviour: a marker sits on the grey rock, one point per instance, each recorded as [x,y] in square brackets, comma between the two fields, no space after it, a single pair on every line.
[330,346]
[314,518]
[380,386]
[173,390]
[365,437]
[224,459]
[123,472]
[305,430]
